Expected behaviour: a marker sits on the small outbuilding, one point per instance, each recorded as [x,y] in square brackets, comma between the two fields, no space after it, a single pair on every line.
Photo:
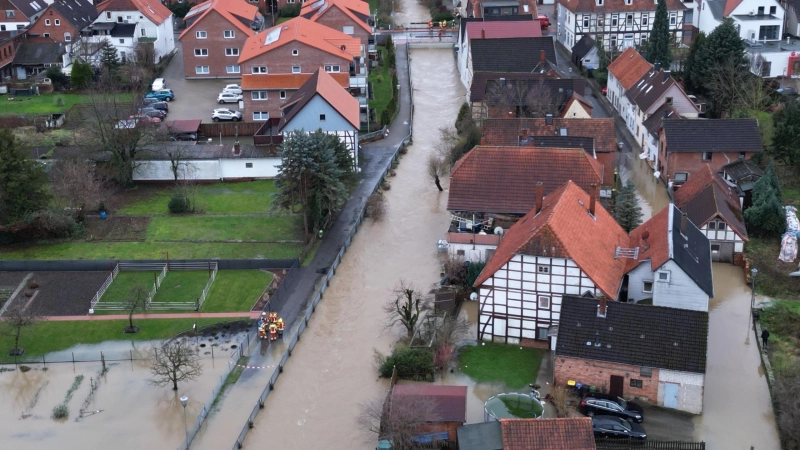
[448,413]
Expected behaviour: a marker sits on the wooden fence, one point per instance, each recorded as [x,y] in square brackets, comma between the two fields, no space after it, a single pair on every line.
[229,128]
[621,444]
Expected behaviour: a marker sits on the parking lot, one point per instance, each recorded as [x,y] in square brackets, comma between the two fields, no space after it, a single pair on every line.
[194,99]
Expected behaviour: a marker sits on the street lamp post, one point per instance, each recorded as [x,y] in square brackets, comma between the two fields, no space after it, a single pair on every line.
[184,402]
[753,273]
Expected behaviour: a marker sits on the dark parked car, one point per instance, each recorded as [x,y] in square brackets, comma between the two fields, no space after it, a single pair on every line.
[609,405]
[152,112]
[149,103]
[787,91]
[611,426]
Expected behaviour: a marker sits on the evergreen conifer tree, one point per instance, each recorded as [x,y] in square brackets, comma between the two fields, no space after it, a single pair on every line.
[627,211]
[659,45]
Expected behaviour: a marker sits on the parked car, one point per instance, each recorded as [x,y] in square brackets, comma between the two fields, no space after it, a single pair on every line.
[787,91]
[544,21]
[233,89]
[162,94]
[228,97]
[602,404]
[225,114]
[184,137]
[152,112]
[144,118]
[155,103]
[159,84]
[612,426]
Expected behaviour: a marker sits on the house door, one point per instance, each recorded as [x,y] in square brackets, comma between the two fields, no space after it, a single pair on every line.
[671,395]
[617,383]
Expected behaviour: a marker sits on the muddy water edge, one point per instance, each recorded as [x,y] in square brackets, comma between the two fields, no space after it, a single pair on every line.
[317,400]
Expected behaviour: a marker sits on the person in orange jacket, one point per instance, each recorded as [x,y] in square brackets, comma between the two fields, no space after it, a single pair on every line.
[273,332]
[281,326]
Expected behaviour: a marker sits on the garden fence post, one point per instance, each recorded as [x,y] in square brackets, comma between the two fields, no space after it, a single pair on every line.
[73,358]
[43,361]
[212,352]
[131,353]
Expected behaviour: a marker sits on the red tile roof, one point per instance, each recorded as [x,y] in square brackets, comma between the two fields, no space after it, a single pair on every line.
[228,9]
[574,433]
[322,83]
[351,8]
[730,5]
[285,80]
[302,30]
[507,131]
[476,238]
[154,10]
[656,246]
[450,401]
[497,30]
[706,196]
[629,67]
[565,229]
[586,6]
[500,179]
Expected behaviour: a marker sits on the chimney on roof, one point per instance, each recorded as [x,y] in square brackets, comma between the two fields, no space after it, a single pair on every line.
[684,220]
[657,67]
[542,59]
[592,199]
[601,309]
[667,74]
[548,119]
[483,33]
[237,150]
[539,197]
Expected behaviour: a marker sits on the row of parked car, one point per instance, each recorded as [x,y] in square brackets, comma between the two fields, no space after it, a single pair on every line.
[231,93]
[613,416]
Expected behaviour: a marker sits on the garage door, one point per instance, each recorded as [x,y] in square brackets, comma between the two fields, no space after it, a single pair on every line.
[722,251]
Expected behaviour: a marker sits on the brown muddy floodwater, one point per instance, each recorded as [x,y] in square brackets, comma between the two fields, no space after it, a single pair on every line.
[650,191]
[134,414]
[411,13]
[316,401]
[737,413]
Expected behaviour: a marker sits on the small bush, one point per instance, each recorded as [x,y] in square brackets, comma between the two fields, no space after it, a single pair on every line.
[290,10]
[49,223]
[385,186]
[386,117]
[60,412]
[376,206]
[33,284]
[602,77]
[379,79]
[403,150]
[28,293]
[178,204]
[411,363]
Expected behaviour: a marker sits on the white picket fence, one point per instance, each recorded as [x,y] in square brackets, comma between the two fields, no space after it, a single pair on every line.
[103,288]
[156,285]
[212,267]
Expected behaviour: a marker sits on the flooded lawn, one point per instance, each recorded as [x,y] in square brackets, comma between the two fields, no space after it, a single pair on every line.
[131,413]
[737,412]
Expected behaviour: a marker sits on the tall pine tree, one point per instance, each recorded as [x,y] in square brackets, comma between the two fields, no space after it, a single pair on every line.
[659,44]
[23,182]
[766,217]
[692,84]
[108,57]
[627,211]
[722,46]
[786,137]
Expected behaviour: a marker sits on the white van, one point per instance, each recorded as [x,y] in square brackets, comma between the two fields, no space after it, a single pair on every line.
[159,84]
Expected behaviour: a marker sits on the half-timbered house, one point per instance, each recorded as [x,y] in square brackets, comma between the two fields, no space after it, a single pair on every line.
[618,24]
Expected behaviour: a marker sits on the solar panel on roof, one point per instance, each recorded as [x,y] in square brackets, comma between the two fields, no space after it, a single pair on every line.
[317,4]
[199,9]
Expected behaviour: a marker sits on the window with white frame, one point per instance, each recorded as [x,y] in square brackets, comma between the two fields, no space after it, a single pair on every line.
[586,21]
[231,52]
[258,95]
[260,115]
[544,302]
[681,176]
[712,225]
[647,286]
[122,41]
[715,248]
[322,117]
[335,68]
[228,34]
[47,22]
[46,35]
[201,35]
[629,19]
[282,95]
[663,275]
[119,19]
[108,14]
[259,69]
[232,69]
[56,22]
[295,52]
[201,52]
[144,32]
[348,30]
[67,37]
[201,69]
[707,156]
[543,269]
[645,19]
[673,19]
[295,69]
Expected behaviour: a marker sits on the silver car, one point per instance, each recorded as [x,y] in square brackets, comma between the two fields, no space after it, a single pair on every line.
[225,114]
[228,97]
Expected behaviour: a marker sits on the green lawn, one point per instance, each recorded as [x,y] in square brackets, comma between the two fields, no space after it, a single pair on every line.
[46,337]
[373,5]
[253,197]
[182,286]
[510,364]
[148,250]
[382,89]
[783,322]
[45,103]
[120,289]
[237,290]
[772,279]
[210,228]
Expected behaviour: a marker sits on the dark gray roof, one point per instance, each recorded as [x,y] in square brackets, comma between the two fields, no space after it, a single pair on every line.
[481,81]
[27,6]
[665,111]
[36,54]
[585,143]
[743,169]
[583,47]
[638,335]
[480,436]
[79,13]
[713,135]
[650,88]
[692,253]
[510,54]
[123,30]
[717,8]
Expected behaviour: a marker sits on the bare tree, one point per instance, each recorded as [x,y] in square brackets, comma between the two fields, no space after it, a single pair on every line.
[178,160]
[175,361]
[14,322]
[734,88]
[137,300]
[436,168]
[523,98]
[405,308]
[558,397]
[399,420]
[786,395]
[75,183]
[449,332]
[540,100]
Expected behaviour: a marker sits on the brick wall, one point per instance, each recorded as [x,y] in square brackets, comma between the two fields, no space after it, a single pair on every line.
[214,25]
[281,60]
[598,373]
[56,32]
[690,162]
[272,104]
[336,19]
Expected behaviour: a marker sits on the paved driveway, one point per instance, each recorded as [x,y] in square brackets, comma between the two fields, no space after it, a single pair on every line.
[194,99]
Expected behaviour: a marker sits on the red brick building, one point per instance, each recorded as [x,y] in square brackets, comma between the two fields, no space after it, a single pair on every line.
[348,16]
[574,433]
[265,94]
[634,351]
[214,36]
[62,21]
[686,145]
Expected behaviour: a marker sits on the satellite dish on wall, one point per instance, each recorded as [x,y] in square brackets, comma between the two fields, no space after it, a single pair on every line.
[498,230]
[473,296]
